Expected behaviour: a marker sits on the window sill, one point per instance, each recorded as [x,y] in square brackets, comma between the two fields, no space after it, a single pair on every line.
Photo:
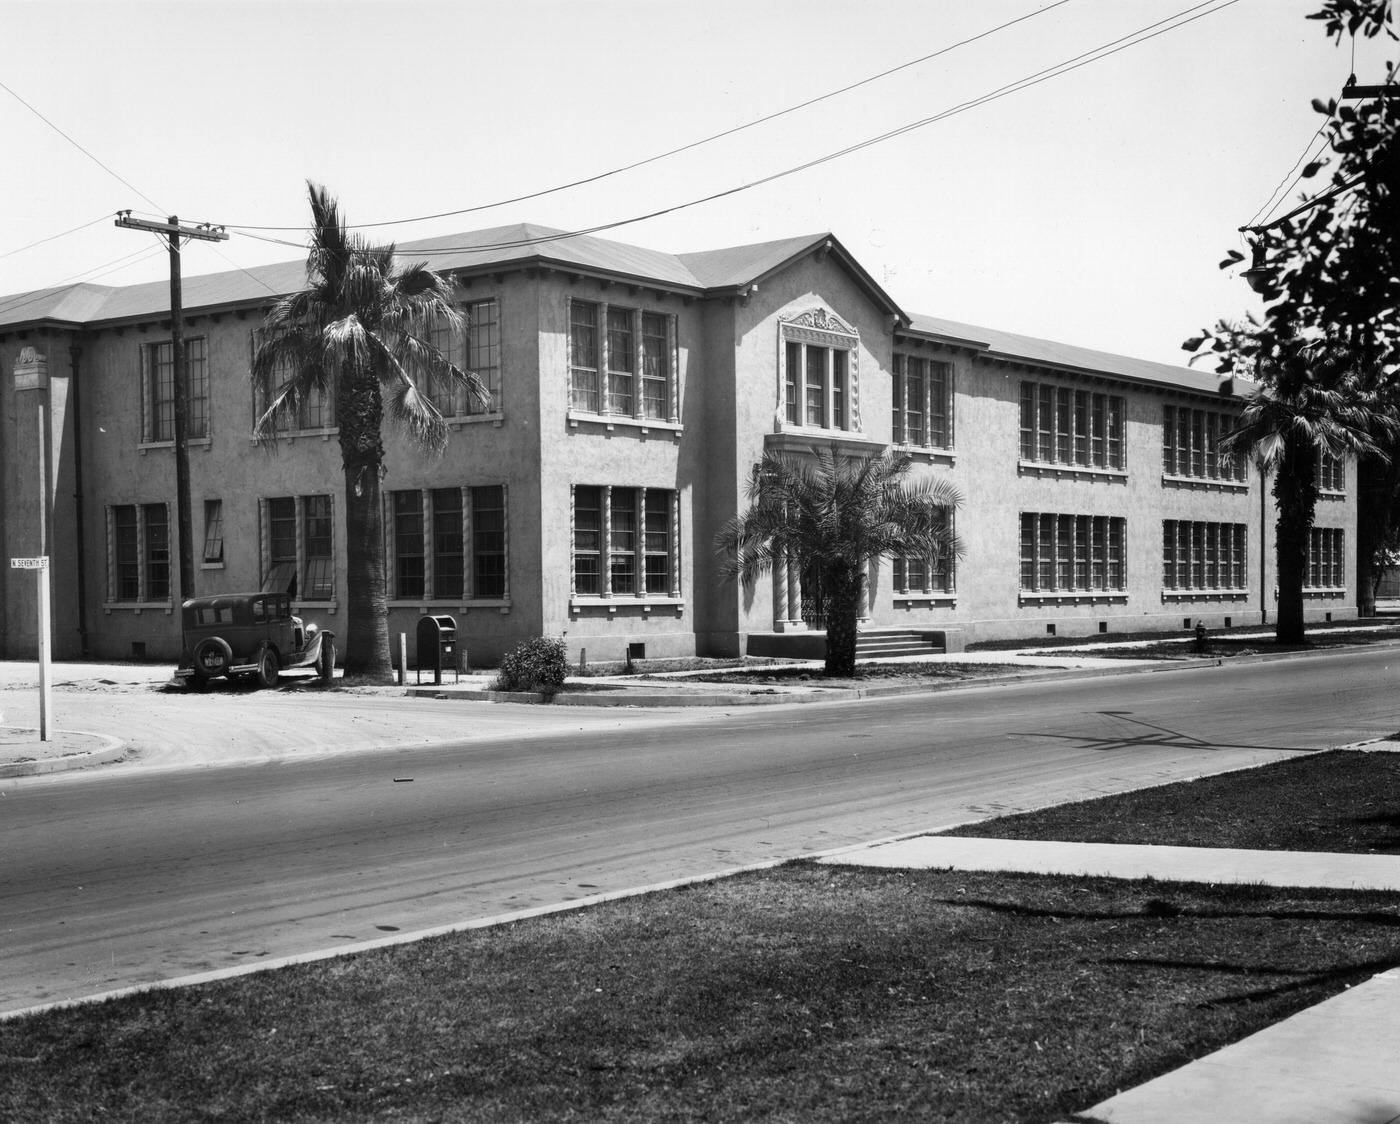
[145,447]
[1203,483]
[211,565]
[1176,595]
[494,418]
[1071,472]
[436,605]
[928,600]
[929,454]
[791,439]
[1100,597]
[1326,593]
[611,422]
[325,434]
[322,606]
[1331,496]
[626,601]
[139,607]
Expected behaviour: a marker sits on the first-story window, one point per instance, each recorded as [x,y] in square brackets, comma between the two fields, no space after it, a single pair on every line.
[1072,553]
[624,542]
[213,532]
[911,574]
[1325,559]
[138,552]
[449,544]
[299,547]
[1206,556]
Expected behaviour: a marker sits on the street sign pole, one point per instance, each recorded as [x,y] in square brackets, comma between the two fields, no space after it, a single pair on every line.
[41,566]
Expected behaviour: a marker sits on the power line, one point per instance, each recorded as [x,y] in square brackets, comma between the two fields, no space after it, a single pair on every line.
[76,145]
[685,147]
[1095,54]
[72,281]
[53,237]
[1276,196]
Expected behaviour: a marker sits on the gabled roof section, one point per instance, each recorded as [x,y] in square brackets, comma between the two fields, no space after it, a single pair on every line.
[72,304]
[527,244]
[1012,348]
[739,267]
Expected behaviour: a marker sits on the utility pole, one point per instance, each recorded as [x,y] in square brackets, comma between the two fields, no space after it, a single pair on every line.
[173,232]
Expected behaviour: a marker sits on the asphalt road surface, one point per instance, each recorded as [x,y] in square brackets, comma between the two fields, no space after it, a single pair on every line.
[111,879]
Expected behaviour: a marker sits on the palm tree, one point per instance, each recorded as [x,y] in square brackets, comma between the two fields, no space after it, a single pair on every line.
[834,514]
[360,333]
[1311,400]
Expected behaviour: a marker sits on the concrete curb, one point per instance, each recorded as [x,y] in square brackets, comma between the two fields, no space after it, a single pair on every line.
[636,695]
[110,751]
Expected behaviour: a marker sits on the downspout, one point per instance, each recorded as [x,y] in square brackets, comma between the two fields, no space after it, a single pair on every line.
[1263,550]
[75,352]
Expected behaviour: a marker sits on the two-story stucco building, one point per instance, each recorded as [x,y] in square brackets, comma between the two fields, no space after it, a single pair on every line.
[633,393]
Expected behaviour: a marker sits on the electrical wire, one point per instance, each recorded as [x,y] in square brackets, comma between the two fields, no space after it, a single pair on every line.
[72,281]
[1289,178]
[76,145]
[682,148]
[53,237]
[1095,54]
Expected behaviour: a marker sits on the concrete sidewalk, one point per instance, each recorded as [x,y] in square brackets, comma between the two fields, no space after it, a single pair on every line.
[1337,1062]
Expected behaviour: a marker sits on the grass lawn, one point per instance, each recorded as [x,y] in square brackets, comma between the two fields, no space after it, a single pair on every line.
[805,993]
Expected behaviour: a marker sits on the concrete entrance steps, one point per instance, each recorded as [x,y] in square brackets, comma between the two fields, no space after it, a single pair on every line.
[904,642]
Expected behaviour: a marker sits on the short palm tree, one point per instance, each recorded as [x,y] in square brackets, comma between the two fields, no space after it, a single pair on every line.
[361,334]
[834,514]
[1311,400]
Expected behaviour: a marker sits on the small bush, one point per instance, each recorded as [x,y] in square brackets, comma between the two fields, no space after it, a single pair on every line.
[536,665]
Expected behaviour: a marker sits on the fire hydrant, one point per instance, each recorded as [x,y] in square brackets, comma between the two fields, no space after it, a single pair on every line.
[1200,637]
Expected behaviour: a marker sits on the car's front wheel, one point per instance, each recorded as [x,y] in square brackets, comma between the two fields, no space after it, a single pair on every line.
[268,668]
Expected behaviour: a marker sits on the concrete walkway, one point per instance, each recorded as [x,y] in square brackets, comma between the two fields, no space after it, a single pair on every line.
[1337,1062]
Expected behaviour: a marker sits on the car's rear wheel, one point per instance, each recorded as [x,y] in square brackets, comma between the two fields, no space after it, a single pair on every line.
[268,668]
[326,664]
[212,657]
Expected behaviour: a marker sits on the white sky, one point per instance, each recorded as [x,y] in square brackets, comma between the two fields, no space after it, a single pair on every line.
[1091,208]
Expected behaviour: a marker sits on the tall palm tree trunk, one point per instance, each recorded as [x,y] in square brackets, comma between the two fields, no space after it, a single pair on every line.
[843,598]
[1295,490]
[360,411]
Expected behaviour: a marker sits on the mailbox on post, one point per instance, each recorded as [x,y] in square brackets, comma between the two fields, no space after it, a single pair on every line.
[437,647]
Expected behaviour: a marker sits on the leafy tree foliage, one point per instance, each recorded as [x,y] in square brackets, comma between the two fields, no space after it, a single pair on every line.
[832,515]
[361,333]
[1331,272]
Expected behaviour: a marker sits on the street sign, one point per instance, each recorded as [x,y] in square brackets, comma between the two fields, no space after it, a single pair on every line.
[29,563]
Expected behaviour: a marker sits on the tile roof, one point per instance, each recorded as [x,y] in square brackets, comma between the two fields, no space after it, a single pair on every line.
[524,243]
[996,344]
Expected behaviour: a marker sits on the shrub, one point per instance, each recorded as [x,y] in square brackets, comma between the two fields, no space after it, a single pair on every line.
[536,665]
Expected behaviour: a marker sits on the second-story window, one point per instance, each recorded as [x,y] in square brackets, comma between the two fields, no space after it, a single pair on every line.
[819,378]
[158,390]
[1191,444]
[922,403]
[479,352]
[622,362]
[1081,428]
[314,410]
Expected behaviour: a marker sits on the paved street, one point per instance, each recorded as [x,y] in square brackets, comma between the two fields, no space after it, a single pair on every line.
[126,874]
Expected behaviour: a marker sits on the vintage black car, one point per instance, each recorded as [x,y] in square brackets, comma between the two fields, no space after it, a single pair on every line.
[253,634]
